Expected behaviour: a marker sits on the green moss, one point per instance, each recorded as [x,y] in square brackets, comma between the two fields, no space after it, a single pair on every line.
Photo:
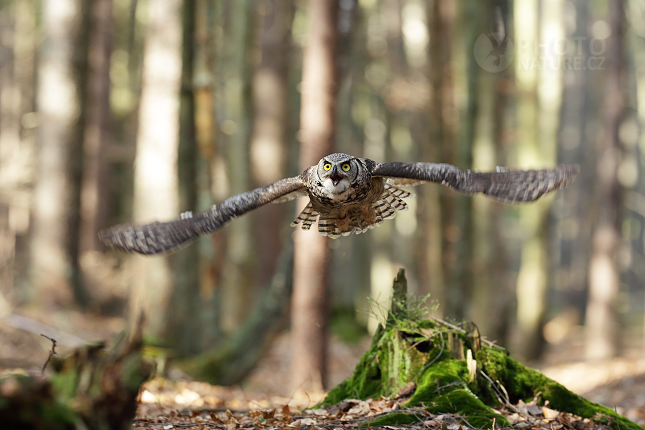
[407,351]
[364,383]
[442,388]
[524,383]
[395,418]
[462,401]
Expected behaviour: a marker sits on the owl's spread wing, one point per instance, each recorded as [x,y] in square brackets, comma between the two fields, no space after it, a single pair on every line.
[162,237]
[504,185]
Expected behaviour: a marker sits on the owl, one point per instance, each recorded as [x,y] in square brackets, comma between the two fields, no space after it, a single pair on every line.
[346,195]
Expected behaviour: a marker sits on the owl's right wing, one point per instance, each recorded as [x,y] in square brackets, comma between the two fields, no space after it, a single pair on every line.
[504,184]
[164,237]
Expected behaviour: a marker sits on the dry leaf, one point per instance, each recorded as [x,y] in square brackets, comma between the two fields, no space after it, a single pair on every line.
[534,410]
[549,413]
[407,391]
[286,415]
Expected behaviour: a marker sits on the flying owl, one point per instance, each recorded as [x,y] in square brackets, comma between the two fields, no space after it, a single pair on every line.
[346,195]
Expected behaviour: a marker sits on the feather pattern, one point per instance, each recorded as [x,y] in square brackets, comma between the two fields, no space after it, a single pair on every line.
[306,217]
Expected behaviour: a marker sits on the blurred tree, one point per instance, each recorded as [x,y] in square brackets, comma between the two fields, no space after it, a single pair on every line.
[491,116]
[205,93]
[236,354]
[575,145]
[270,125]
[601,323]
[155,175]
[429,125]
[17,137]
[98,133]
[61,86]
[185,329]
[537,117]
[455,241]
[235,124]
[309,317]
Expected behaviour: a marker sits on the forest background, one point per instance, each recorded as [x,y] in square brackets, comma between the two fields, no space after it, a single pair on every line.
[136,110]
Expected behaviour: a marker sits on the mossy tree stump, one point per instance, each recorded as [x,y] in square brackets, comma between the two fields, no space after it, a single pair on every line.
[447,369]
[93,388]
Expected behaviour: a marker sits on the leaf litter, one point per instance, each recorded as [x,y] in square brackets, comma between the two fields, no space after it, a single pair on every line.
[208,407]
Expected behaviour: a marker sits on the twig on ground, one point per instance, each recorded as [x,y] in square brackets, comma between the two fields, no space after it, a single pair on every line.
[51,353]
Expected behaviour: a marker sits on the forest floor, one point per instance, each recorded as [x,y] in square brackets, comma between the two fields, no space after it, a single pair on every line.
[265,401]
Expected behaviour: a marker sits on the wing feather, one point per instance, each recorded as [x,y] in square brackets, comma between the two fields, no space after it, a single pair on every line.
[164,237]
[504,185]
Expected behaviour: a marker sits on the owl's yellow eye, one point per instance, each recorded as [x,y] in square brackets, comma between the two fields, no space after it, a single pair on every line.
[327,166]
[345,167]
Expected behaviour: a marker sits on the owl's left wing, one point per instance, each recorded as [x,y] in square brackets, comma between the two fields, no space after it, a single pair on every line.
[504,185]
[164,237]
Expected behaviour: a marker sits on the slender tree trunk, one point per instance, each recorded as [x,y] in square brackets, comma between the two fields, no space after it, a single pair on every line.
[237,280]
[17,142]
[604,275]
[492,299]
[442,122]
[54,240]
[97,137]
[9,148]
[185,328]
[155,175]
[270,124]
[311,262]
[205,94]
[575,145]
[538,118]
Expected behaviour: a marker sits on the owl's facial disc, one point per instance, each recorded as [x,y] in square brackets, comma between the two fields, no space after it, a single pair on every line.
[336,182]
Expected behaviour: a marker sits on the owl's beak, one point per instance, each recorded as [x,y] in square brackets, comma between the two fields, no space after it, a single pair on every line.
[336,176]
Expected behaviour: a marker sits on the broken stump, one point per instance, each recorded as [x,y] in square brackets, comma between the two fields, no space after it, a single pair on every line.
[447,369]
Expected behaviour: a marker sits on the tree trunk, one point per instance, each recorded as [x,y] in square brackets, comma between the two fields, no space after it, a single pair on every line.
[311,262]
[54,239]
[97,137]
[237,280]
[185,328]
[17,141]
[443,122]
[492,298]
[538,110]
[604,275]
[155,175]
[270,125]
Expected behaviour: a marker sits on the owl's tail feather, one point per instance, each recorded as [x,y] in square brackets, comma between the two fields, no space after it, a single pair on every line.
[332,227]
[358,220]
[307,217]
[394,196]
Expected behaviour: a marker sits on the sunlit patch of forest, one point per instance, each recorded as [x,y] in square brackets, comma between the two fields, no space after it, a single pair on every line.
[127,111]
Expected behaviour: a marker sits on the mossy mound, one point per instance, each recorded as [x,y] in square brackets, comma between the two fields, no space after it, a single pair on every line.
[421,353]
[455,373]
